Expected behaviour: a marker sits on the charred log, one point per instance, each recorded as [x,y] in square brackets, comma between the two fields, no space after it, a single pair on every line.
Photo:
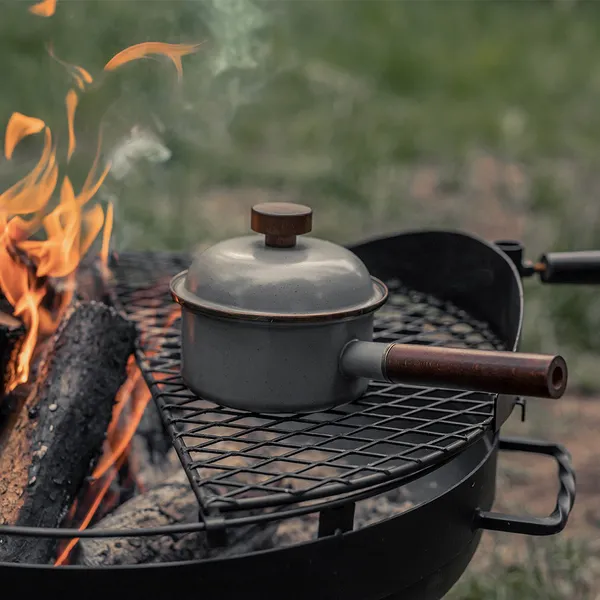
[170,503]
[59,431]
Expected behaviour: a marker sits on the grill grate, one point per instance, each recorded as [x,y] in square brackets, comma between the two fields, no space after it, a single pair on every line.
[240,461]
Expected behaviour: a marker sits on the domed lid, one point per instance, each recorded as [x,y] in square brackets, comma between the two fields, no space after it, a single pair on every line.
[278,276]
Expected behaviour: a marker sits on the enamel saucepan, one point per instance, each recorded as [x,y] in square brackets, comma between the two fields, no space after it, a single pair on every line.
[277,323]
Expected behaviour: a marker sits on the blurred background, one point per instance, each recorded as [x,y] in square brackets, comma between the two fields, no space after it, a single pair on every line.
[479,115]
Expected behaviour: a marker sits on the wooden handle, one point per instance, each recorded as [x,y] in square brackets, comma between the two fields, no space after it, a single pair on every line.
[281,222]
[513,373]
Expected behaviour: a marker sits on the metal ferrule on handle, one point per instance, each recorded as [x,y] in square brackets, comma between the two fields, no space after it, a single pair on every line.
[494,372]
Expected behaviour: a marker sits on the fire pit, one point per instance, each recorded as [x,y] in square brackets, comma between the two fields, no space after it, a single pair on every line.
[385,497]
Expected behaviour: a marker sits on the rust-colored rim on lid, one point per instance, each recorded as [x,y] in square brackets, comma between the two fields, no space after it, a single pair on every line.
[188,301]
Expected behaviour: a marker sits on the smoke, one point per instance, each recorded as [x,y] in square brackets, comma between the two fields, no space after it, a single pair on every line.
[163,132]
[233,24]
[140,145]
[236,67]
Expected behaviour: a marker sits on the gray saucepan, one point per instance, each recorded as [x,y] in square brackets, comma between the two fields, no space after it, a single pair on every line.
[277,323]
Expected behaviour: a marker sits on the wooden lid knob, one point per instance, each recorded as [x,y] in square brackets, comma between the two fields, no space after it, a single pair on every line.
[281,222]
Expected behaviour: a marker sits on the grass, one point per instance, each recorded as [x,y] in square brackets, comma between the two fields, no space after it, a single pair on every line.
[382,114]
[553,569]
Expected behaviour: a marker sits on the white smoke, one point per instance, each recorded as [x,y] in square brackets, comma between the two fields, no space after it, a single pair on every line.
[227,73]
[140,145]
[233,24]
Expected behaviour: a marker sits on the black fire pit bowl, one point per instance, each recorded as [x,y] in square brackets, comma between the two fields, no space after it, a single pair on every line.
[418,554]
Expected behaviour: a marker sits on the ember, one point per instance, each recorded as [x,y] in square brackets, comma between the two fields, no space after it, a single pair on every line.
[47,229]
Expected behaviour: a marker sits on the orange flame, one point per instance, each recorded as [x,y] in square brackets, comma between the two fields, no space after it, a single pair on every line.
[131,396]
[106,236]
[172,51]
[20,126]
[64,232]
[79,74]
[71,107]
[46,8]
[70,231]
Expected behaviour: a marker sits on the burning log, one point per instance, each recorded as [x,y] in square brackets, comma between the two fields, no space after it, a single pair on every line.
[173,502]
[59,431]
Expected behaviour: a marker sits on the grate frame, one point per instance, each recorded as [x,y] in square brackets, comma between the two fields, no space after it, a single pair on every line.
[252,462]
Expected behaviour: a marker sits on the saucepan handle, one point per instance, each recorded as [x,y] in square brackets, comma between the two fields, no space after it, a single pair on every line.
[570,267]
[552,524]
[494,372]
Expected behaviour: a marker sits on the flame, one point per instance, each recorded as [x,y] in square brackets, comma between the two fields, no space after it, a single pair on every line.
[90,187]
[43,238]
[20,126]
[134,396]
[72,101]
[69,232]
[70,229]
[106,236]
[172,51]
[79,74]
[46,8]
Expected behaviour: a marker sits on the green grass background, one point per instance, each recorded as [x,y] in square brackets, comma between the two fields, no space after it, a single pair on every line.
[347,105]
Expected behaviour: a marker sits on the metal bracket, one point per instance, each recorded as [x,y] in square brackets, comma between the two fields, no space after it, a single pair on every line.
[522,402]
[515,251]
[333,521]
[216,532]
[503,409]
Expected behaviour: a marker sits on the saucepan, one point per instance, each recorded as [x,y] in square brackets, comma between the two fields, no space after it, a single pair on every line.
[277,323]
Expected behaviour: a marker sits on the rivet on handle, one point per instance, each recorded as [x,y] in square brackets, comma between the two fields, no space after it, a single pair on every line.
[281,222]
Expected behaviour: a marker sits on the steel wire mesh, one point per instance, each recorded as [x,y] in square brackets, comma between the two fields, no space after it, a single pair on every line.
[239,461]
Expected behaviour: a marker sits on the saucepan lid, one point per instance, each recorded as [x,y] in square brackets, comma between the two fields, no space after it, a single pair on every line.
[275,275]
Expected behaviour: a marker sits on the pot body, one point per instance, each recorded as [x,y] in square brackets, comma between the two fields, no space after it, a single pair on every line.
[270,367]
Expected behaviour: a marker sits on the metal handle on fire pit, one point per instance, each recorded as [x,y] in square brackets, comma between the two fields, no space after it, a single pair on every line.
[570,267]
[557,521]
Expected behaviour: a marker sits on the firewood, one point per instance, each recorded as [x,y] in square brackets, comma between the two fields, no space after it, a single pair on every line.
[170,503]
[58,433]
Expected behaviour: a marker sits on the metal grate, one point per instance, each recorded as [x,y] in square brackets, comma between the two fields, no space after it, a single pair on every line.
[239,461]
